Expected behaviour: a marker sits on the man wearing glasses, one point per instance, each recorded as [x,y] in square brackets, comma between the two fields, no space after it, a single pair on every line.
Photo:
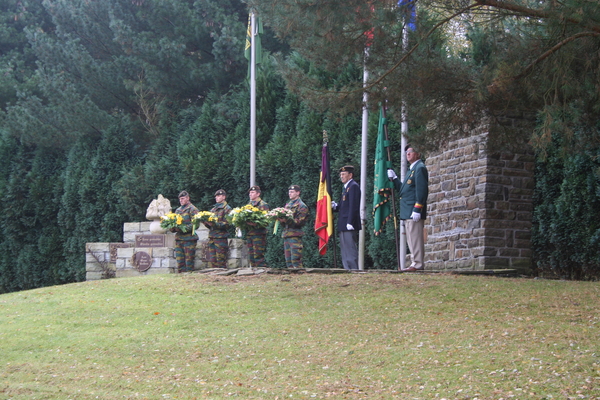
[413,205]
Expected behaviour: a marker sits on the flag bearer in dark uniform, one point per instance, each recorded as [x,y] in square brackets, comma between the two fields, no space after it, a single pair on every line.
[256,239]
[185,243]
[292,231]
[218,233]
[349,222]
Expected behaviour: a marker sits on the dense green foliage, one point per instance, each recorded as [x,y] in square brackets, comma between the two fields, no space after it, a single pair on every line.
[104,105]
[566,233]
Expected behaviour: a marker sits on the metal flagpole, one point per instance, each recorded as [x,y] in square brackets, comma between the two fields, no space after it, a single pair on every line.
[403,164]
[252,99]
[363,168]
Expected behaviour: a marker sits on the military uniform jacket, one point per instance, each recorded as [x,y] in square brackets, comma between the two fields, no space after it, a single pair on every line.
[349,207]
[414,191]
[219,229]
[186,212]
[294,228]
[261,205]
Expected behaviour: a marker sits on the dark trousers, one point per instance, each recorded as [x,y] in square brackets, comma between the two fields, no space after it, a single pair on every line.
[349,249]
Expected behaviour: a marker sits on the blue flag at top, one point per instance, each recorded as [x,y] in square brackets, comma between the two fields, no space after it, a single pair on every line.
[411,14]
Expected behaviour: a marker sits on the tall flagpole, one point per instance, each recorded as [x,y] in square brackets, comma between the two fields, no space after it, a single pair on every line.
[252,99]
[403,163]
[363,167]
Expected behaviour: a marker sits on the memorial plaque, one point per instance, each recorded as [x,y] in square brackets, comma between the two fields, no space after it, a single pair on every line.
[150,241]
[142,261]
[112,248]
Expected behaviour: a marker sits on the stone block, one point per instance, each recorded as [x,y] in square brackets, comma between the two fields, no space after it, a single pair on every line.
[131,227]
[145,227]
[493,262]
[168,263]
[129,237]
[96,257]
[202,235]
[170,239]
[148,250]
[163,252]
[510,252]
[121,263]
[238,252]
[93,267]
[245,272]
[125,252]
[234,263]
[96,247]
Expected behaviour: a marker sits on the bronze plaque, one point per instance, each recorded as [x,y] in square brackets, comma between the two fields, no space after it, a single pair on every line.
[142,261]
[112,248]
[150,241]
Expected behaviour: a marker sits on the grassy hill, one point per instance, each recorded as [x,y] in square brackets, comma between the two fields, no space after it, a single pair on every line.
[355,336]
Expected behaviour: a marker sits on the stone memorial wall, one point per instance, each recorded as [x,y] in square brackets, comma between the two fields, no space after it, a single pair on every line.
[144,252]
[480,207]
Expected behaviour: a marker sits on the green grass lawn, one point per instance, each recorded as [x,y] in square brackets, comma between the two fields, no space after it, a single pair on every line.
[350,336]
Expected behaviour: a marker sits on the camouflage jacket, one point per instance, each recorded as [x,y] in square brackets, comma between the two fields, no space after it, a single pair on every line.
[294,228]
[261,205]
[219,229]
[186,212]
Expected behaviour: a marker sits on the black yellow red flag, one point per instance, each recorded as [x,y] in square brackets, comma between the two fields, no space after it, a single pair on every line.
[324,219]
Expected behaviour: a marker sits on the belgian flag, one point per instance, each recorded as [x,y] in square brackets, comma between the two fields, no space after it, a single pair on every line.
[324,219]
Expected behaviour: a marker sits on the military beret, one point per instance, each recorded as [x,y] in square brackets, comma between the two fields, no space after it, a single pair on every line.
[255,188]
[347,168]
[294,187]
[220,192]
[184,194]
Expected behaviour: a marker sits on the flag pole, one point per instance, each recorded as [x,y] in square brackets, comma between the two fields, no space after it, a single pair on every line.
[363,166]
[252,99]
[396,227]
[328,185]
[403,162]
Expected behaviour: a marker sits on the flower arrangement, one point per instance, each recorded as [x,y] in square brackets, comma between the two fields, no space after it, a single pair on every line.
[280,213]
[248,217]
[171,220]
[203,216]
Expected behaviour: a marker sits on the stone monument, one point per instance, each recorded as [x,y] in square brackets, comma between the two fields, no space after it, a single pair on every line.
[157,208]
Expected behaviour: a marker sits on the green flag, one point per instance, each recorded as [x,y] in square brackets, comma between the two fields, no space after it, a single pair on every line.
[382,191]
[258,30]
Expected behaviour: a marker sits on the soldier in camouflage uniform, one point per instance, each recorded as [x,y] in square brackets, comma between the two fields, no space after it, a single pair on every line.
[218,233]
[292,231]
[185,243]
[256,239]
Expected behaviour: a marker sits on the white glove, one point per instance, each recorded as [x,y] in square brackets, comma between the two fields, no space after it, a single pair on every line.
[349,227]
[391,174]
[333,204]
[416,216]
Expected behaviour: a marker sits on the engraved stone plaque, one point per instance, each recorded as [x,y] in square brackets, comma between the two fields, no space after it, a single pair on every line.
[142,261]
[150,241]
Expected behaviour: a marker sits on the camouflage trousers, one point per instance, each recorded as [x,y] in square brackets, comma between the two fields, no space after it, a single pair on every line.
[257,245]
[293,251]
[217,250]
[185,254]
